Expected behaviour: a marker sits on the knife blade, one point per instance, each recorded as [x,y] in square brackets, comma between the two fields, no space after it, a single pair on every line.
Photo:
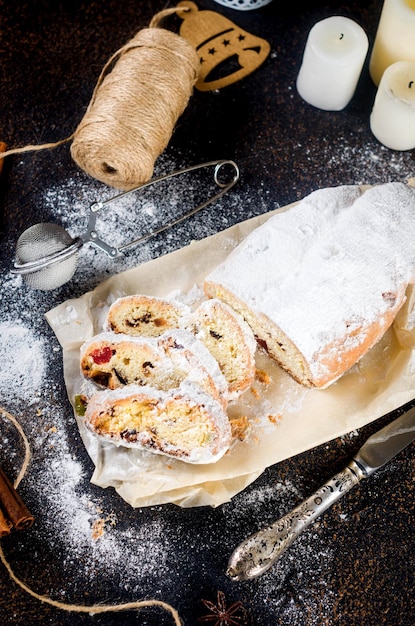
[256,554]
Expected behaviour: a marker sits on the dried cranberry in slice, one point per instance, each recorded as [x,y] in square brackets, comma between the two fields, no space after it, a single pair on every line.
[101,355]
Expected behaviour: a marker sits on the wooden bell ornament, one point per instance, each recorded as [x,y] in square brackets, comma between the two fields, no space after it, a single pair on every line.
[226,52]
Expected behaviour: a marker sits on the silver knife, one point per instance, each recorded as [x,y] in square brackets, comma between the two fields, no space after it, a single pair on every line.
[258,553]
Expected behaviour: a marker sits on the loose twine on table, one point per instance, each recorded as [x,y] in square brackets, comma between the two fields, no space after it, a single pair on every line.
[74,608]
[134,107]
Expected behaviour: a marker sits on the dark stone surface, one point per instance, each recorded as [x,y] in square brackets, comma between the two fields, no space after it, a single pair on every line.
[51,53]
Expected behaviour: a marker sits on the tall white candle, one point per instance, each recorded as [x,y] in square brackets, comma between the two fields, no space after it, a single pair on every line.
[395,37]
[392,120]
[333,58]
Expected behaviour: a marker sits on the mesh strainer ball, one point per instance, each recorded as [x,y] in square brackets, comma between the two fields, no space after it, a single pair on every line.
[37,242]
[243,5]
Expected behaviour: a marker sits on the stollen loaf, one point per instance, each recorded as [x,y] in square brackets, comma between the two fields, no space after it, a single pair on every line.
[321,283]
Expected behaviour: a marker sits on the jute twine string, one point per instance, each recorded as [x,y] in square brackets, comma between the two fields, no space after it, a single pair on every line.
[139,96]
[74,608]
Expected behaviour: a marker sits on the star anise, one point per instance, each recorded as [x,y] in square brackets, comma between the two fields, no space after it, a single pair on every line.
[222,615]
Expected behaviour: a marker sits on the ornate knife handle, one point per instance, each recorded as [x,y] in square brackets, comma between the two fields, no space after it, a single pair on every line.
[260,551]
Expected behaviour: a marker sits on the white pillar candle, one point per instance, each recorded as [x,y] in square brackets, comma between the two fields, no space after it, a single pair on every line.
[395,37]
[333,58]
[392,120]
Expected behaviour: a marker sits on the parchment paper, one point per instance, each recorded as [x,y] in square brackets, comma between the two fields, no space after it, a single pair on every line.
[285,418]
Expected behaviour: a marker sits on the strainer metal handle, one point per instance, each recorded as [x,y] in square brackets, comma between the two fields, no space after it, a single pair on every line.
[224,187]
[91,235]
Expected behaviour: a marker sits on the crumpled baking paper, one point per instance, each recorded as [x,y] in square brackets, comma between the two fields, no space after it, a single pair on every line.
[285,418]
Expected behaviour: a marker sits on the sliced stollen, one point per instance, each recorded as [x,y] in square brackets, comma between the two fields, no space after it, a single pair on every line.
[230,341]
[185,423]
[114,360]
[223,331]
[182,345]
[144,316]
[321,283]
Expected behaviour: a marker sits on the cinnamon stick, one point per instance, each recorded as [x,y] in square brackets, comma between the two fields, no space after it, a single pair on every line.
[3,148]
[14,509]
[5,525]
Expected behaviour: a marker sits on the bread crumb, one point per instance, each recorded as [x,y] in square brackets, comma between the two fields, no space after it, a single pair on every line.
[239,427]
[98,529]
[98,526]
[262,377]
[275,419]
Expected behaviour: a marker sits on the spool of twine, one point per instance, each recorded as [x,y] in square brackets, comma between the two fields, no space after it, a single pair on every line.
[140,94]
[135,107]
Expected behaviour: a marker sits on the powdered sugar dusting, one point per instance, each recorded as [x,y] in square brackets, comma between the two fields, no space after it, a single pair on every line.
[86,529]
[366,164]
[23,362]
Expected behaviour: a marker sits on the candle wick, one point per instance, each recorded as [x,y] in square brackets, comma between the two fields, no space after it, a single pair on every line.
[410,84]
[341,35]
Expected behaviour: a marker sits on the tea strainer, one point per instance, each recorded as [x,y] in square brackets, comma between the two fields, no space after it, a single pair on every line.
[47,256]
